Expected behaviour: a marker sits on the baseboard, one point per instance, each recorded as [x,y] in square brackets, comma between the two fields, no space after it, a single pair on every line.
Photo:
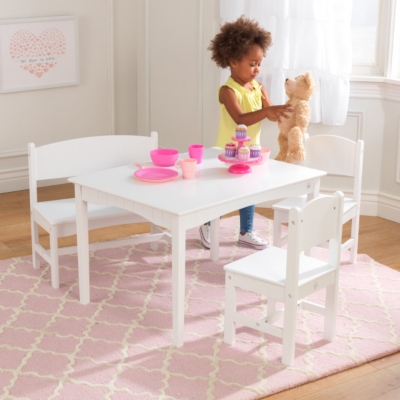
[381,205]
[373,204]
[14,170]
[15,179]
[386,206]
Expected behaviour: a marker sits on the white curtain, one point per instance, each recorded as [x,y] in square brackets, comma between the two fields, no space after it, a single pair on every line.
[307,35]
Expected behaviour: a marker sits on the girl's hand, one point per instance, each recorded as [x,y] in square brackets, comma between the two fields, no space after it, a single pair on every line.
[277,113]
[228,98]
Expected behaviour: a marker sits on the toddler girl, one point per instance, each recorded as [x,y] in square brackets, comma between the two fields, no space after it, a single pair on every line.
[241,46]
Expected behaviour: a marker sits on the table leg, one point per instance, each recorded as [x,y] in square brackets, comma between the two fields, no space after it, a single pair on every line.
[315,192]
[214,239]
[178,283]
[82,233]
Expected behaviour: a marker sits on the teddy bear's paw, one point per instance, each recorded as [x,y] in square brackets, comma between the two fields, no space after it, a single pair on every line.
[297,162]
[295,158]
[280,157]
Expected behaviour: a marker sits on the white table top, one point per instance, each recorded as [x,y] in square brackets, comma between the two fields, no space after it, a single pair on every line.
[213,184]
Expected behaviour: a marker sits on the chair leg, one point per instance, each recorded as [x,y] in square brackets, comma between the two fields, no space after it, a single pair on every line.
[330,312]
[153,230]
[55,278]
[35,241]
[355,226]
[289,330]
[230,308]
[277,229]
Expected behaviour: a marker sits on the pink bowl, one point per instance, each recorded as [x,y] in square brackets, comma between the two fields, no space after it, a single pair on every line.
[164,157]
[265,155]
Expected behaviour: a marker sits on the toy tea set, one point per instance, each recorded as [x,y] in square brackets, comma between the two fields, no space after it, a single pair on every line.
[169,158]
[240,156]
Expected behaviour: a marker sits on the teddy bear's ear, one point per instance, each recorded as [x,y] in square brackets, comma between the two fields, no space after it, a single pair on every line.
[309,79]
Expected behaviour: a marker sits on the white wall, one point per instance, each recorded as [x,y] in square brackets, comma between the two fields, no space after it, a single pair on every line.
[156,74]
[125,65]
[48,115]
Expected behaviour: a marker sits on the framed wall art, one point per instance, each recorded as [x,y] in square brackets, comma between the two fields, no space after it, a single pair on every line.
[38,53]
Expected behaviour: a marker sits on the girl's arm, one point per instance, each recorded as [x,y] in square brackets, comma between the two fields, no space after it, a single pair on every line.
[266,102]
[274,113]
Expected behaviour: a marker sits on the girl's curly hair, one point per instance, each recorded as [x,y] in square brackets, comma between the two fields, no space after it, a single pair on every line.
[236,38]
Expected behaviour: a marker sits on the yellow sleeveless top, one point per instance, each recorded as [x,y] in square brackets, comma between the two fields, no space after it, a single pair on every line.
[248,101]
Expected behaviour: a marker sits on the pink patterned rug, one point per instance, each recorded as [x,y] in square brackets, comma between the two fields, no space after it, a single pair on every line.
[119,346]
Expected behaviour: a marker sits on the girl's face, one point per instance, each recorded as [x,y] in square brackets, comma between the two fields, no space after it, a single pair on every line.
[245,70]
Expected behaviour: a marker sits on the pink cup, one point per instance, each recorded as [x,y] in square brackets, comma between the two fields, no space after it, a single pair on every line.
[265,153]
[196,151]
[188,167]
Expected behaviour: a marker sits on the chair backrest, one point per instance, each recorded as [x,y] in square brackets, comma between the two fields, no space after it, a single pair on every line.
[85,155]
[337,156]
[318,221]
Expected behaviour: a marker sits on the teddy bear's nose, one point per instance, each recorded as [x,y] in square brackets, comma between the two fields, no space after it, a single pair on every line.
[286,79]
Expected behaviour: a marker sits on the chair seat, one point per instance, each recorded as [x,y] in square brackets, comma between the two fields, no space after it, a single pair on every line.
[63,211]
[269,265]
[300,201]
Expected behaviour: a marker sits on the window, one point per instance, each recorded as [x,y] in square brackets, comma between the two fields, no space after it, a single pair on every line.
[364,24]
[375,38]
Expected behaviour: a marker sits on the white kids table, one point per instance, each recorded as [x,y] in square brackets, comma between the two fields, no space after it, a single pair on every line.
[181,204]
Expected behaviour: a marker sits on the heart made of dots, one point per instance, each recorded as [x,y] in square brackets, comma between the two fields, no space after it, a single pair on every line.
[37,54]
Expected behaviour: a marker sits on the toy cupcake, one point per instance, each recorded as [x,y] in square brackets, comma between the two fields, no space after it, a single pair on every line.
[230,150]
[241,131]
[243,153]
[255,150]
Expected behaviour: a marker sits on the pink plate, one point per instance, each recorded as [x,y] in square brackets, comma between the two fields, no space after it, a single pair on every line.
[155,174]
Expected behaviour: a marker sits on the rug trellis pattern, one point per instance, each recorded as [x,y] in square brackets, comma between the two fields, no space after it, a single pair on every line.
[119,346]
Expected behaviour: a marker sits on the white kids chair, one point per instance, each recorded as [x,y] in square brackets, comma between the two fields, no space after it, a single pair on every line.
[289,276]
[337,156]
[76,157]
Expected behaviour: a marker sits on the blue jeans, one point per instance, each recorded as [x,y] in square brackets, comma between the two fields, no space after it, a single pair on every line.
[246,218]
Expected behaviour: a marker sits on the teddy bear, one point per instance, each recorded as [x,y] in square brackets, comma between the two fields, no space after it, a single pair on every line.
[293,129]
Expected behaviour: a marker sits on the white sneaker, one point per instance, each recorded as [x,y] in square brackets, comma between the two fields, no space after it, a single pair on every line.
[205,235]
[251,239]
